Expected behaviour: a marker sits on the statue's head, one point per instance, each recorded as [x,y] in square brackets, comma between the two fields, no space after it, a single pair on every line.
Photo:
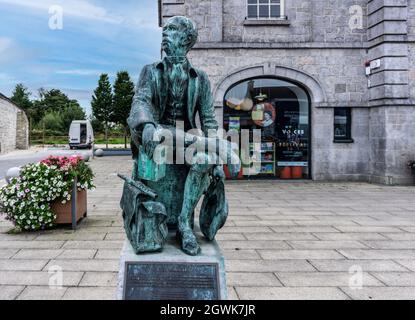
[179,36]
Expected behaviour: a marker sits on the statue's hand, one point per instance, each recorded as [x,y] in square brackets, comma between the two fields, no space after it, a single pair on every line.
[218,173]
[229,154]
[234,164]
[148,142]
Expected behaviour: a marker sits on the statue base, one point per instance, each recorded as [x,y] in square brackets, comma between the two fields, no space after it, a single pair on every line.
[171,274]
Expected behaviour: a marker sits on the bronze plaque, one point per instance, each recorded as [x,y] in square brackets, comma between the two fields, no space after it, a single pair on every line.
[171,281]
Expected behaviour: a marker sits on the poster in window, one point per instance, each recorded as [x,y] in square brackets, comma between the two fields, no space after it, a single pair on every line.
[235,123]
[264,115]
[292,143]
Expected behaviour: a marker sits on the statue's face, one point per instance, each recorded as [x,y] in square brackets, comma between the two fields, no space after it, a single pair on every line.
[176,38]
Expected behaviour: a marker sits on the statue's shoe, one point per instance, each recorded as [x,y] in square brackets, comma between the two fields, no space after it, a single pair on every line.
[190,246]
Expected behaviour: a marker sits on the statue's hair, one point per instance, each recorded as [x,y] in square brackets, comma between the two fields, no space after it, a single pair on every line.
[189,25]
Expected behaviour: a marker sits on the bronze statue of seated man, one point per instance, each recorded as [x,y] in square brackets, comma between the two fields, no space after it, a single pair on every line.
[169,96]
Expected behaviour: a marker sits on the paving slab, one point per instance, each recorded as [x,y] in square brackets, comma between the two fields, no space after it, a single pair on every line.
[396,279]
[246,279]
[299,254]
[42,293]
[99,279]
[98,293]
[22,265]
[278,293]
[283,240]
[325,279]
[10,292]
[36,278]
[383,293]
[365,265]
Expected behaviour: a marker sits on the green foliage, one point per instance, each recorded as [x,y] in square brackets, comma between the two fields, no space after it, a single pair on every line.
[52,123]
[53,105]
[21,97]
[102,101]
[123,97]
[54,100]
[97,125]
[71,113]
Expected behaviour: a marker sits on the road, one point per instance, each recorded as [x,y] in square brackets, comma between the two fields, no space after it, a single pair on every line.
[20,159]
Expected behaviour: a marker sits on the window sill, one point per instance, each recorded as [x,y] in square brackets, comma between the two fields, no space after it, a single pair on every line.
[266,22]
[344,141]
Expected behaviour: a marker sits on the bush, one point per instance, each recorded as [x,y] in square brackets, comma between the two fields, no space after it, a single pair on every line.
[26,200]
[52,123]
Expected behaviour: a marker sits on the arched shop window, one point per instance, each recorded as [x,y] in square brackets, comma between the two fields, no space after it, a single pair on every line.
[281,110]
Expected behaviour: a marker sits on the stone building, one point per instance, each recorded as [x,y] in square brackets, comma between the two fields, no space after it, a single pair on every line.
[330,82]
[14,126]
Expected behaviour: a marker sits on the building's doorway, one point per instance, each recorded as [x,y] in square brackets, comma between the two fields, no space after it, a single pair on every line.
[281,110]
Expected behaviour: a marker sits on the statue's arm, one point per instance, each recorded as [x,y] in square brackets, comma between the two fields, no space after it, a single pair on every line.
[206,107]
[142,110]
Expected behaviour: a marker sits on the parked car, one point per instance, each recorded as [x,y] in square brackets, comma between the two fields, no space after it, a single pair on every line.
[81,135]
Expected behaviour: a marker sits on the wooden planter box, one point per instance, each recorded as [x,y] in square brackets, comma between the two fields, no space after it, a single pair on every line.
[63,211]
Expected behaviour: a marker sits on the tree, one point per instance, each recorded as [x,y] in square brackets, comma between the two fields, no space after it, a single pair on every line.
[102,103]
[123,98]
[54,100]
[21,97]
[97,125]
[72,112]
[52,123]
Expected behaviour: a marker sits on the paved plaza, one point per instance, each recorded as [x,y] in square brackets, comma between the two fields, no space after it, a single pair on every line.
[283,240]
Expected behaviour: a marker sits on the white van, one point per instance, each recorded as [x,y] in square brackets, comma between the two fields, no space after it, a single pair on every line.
[81,134]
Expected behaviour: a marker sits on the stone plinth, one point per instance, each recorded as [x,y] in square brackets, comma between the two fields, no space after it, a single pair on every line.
[174,257]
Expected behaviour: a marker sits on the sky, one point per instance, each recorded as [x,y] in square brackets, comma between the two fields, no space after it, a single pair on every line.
[41,50]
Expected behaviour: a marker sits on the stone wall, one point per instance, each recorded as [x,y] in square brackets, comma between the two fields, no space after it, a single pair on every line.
[14,127]
[340,72]
[324,21]
[8,124]
[22,131]
[317,48]
[343,84]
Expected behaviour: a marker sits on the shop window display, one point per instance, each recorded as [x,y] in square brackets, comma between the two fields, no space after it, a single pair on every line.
[279,109]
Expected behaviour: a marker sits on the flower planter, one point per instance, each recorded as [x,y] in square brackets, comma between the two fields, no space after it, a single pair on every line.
[63,211]
[297,172]
[229,176]
[286,173]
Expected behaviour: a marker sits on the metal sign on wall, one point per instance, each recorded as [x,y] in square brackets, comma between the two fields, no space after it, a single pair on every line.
[171,281]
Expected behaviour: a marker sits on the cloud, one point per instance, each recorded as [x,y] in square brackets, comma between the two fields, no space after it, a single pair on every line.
[75,8]
[80,72]
[5,44]
[10,51]
[78,94]
[6,78]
